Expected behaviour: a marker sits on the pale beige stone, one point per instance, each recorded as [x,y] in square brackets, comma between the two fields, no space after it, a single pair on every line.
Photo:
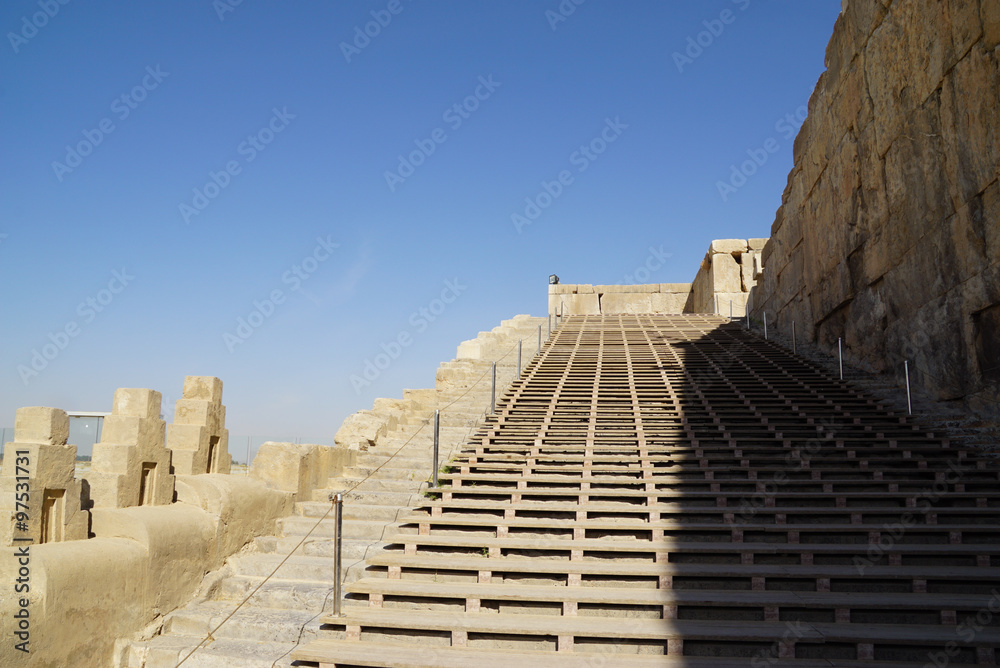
[676,287]
[131,465]
[362,430]
[641,289]
[55,512]
[300,468]
[39,424]
[204,388]
[198,438]
[728,246]
[724,274]
[756,244]
[578,304]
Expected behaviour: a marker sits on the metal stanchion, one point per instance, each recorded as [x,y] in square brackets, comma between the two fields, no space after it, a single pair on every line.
[793,338]
[337,593]
[519,358]
[765,325]
[493,391]
[437,432]
[906,368]
[840,356]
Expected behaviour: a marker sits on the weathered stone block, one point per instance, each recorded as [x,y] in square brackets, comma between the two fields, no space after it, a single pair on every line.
[196,411]
[725,273]
[205,388]
[39,424]
[728,246]
[756,244]
[135,402]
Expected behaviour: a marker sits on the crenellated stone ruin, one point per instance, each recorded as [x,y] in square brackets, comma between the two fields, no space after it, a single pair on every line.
[198,438]
[131,465]
[39,496]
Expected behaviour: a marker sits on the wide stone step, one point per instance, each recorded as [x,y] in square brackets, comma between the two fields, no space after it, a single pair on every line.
[296,567]
[374,497]
[352,511]
[391,471]
[277,593]
[248,623]
[354,549]
[374,484]
[167,651]
[299,526]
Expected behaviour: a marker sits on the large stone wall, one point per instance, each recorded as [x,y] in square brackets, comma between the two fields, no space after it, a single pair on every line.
[729,271]
[888,232]
[616,299]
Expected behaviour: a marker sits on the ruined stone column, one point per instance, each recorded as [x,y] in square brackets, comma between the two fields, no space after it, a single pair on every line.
[40,500]
[131,465]
[198,439]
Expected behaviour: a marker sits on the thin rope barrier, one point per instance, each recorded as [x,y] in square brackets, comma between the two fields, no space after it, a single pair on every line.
[210,637]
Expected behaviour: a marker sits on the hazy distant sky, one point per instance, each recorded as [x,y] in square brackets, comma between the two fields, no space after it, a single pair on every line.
[171,170]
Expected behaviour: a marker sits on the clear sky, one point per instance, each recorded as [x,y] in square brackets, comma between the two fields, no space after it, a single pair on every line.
[263,192]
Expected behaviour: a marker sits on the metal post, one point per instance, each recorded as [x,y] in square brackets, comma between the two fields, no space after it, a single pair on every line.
[338,502]
[437,431]
[906,368]
[493,391]
[793,338]
[519,358]
[765,325]
[248,454]
[840,356]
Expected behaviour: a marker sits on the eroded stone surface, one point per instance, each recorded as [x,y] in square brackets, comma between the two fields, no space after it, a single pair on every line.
[887,233]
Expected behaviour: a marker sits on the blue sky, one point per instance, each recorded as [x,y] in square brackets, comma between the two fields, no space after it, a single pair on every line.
[168,169]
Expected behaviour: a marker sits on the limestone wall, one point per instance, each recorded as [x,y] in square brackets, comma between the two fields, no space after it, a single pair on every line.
[888,232]
[729,271]
[616,299]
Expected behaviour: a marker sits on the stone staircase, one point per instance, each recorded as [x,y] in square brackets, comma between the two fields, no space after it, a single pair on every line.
[388,478]
[675,491]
